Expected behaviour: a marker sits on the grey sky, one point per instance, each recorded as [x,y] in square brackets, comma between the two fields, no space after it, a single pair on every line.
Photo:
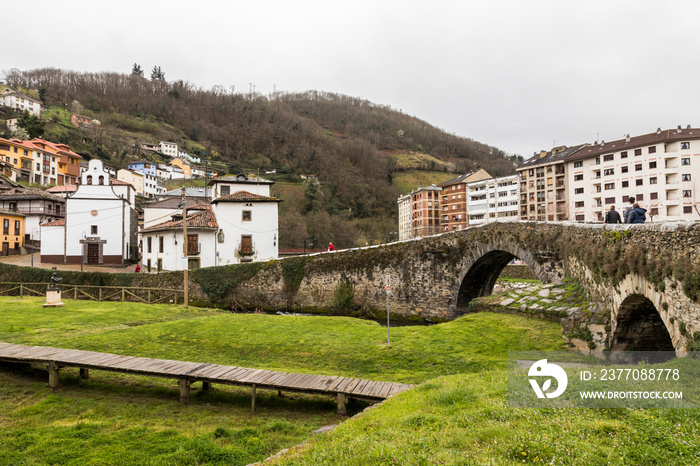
[516,74]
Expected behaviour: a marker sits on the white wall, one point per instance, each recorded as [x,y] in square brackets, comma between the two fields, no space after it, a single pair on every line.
[173,252]
[263,227]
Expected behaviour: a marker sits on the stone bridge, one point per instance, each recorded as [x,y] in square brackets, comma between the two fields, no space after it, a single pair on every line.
[644,279]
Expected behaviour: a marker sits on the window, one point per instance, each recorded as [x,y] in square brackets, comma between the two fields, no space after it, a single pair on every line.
[687,193]
[638,152]
[160,247]
[640,197]
[578,191]
[159,264]
[639,182]
[580,218]
[624,169]
[652,164]
[38,167]
[246,244]
[638,167]
[225,190]
[89,179]
[149,245]
[597,160]
[609,200]
[93,229]
[685,161]
[687,209]
[578,204]
[652,180]
[16,227]
[192,245]
[685,177]
[653,196]
[578,164]
[578,177]
[192,263]
[6,227]
[623,155]
[608,158]
[609,171]
[685,145]
[654,211]
[652,149]
[609,185]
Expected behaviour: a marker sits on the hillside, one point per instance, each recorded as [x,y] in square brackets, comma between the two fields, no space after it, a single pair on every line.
[357,149]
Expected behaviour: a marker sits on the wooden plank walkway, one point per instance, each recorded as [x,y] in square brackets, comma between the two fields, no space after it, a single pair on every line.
[343,388]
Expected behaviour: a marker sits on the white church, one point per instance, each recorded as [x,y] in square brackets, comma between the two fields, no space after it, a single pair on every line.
[240,225]
[100,226]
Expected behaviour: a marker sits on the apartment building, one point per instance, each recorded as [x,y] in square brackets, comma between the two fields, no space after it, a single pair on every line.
[405,230]
[543,185]
[60,165]
[493,200]
[453,202]
[661,170]
[425,211]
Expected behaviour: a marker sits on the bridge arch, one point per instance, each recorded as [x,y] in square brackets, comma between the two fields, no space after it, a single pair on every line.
[640,327]
[485,263]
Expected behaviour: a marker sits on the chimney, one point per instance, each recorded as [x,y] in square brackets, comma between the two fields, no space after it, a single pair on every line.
[543,153]
[678,130]
[688,127]
[658,130]
[602,143]
[627,138]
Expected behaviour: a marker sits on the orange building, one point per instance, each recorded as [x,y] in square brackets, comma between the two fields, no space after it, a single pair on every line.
[425,211]
[68,161]
[453,205]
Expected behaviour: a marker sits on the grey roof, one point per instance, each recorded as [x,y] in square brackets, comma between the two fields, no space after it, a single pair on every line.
[190,192]
[240,179]
[549,158]
[22,193]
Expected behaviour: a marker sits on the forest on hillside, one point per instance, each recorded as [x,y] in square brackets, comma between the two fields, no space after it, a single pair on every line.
[350,144]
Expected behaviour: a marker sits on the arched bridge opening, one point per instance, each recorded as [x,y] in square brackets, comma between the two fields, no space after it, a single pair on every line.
[640,327]
[481,277]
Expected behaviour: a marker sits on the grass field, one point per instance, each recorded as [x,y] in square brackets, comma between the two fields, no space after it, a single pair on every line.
[407,181]
[457,415]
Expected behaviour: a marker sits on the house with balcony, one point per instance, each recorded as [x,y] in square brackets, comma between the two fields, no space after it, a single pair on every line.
[60,165]
[240,225]
[37,207]
[100,224]
[493,200]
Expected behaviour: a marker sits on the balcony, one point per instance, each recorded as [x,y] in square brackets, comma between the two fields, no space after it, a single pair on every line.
[194,249]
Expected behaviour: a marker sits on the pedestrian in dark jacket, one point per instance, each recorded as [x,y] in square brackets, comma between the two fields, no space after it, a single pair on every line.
[611,216]
[638,215]
[628,211]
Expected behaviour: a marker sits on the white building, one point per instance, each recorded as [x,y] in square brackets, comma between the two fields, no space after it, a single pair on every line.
[169,172]
[144,184]
[100,224]
[405,230]
[168,148]
[14,99]
[661,170]
[493,200]
[241,225]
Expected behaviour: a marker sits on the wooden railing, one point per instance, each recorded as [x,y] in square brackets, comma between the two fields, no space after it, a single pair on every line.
[94,292]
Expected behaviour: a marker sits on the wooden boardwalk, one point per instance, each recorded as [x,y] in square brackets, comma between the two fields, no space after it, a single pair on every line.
[343,388]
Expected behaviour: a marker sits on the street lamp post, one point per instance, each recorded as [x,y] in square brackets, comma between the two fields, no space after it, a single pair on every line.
[82,251]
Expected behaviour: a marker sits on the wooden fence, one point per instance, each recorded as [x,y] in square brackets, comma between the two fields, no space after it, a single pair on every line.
[95,293]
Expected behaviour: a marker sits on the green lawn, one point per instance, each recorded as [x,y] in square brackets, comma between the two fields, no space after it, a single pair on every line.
[457,415]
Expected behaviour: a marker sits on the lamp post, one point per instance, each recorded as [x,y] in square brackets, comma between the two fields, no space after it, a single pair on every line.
[82,250]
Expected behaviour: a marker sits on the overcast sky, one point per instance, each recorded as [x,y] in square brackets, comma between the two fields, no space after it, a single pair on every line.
[521,75]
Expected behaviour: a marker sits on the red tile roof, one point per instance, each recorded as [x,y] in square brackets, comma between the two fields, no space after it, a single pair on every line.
[202,220]
[55,223]
[245,196]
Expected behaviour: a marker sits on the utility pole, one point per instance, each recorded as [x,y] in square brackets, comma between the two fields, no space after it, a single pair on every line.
[184,246]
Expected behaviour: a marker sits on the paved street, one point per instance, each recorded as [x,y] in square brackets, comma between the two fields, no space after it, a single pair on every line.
[26,260]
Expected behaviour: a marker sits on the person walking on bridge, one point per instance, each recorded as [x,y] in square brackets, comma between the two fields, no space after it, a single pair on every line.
[611,216]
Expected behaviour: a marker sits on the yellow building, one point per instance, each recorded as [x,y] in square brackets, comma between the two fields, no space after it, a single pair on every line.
[184,166]
[11,232]
[19,155]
